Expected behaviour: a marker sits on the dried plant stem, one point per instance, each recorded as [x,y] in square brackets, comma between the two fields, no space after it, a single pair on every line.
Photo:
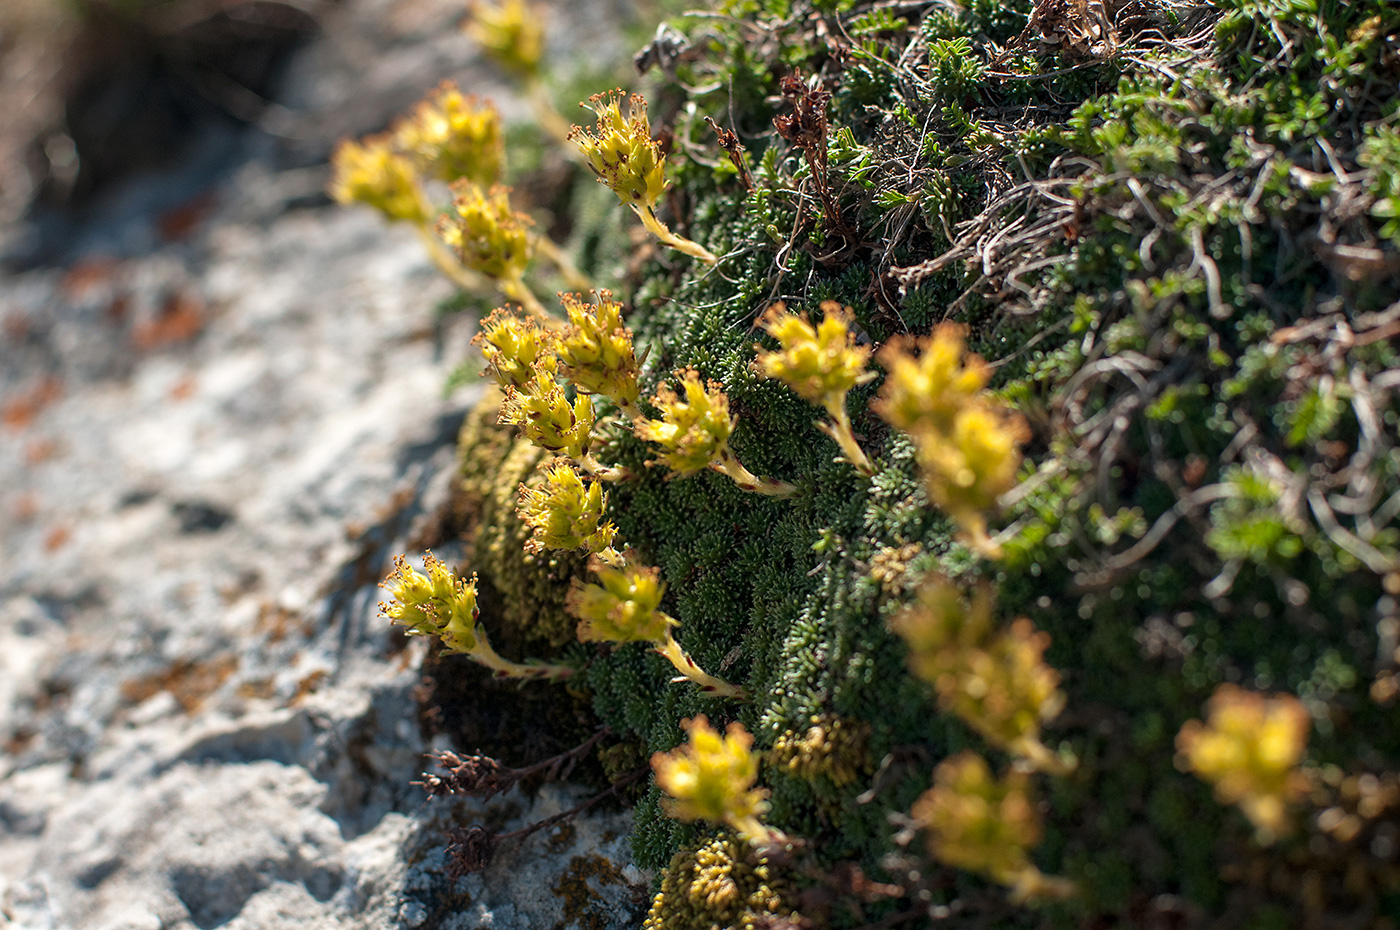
[712,686]
[666,237]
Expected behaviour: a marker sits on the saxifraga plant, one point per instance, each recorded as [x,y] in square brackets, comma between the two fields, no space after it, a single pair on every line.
[1099,557]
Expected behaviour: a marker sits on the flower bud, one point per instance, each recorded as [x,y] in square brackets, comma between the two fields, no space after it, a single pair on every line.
[620,149]
[514,347]
[693,430]
[820,363]
[372,173]
[487,235]
[543,414]
[565,513]
[623,607]
[596,351]
[978,822]
[435,604]
[512,32]
[453,137]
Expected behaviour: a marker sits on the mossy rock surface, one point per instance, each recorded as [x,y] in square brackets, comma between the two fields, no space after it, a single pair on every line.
[1172,232]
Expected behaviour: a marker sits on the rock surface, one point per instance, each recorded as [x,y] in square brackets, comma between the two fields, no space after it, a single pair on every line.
[210,446]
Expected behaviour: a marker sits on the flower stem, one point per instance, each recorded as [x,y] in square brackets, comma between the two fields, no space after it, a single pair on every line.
[839,429]
[1039,756]
[504,668]
[712,686]
[446,262]
[666,237]
[567,269]
[548,117]
[727,464]
[606,472]
[517,290]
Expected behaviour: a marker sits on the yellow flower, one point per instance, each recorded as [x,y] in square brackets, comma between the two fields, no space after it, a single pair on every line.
[1250,750]
[969,467]
[512,32]
[487,235]
[968,445]
[453,137]
[372,173]
[820,363]
[621,151]
[435,604]
[596,350]
[694,429]
[624,607]
[565,513]
[996,681]
[978,822]
[712,778]
[543,414]
[927,391]
[514,347]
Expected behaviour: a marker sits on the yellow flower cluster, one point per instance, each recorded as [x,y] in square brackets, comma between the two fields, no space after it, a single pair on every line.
[545,417]
[712,778]
[968,443]
[512,32]
[624,607]
[565,513]
[441,604]
[985,824]
[995,680]
[514,347]
[453,136]
[822,364]
[488,236]
[595,351]
[694,431]
[624,156]
[1249,749]
[371,172]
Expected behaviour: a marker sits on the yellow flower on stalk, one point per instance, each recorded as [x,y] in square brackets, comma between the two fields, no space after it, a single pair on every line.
[981,823]
[435,604]
[967,443]
[694,426]
[819,362]
[822,364]
[624,156]
[512,32]
[372,173]
[927,391]
[996,681]
[596,353]
[544,415]
[441,604]
[624,607]
[693,434]
[453,136]
[514,347]
[712,778]
[1249,750]
[488,236]
[565,513]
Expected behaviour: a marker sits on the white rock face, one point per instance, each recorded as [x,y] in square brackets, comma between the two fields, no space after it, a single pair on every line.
[207,455]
